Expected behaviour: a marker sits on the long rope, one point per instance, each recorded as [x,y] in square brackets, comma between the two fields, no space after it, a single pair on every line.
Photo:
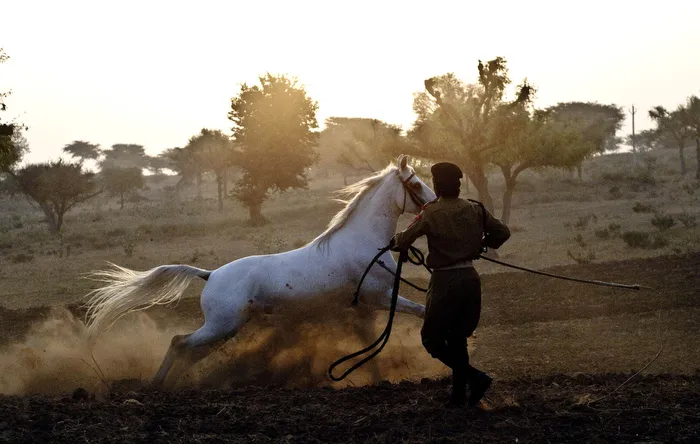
[568,278]
[419,259]
[384,337]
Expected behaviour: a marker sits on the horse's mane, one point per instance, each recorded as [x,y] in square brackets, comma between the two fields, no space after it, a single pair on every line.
[357,190]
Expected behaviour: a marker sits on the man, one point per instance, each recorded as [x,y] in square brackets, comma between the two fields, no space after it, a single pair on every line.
[457,230]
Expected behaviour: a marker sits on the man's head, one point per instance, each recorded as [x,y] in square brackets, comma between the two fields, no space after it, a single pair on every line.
[446,179]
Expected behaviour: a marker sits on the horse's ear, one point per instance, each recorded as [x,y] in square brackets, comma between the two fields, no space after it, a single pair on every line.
[402,161]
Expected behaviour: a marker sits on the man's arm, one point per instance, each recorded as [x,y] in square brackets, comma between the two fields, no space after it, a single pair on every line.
[404,239]
[496,232]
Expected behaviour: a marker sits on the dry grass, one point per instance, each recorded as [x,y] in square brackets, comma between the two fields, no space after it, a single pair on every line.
[156,230]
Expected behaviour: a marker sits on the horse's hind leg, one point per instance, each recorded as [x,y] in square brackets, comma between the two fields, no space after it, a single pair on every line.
[186,350]
[403,305]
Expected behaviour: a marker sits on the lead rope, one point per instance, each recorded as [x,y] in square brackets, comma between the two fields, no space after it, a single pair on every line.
[384,337]
[420,260]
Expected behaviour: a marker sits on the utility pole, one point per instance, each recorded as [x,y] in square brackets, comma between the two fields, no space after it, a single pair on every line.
[633,111]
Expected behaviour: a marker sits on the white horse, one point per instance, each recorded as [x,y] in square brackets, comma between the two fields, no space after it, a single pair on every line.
[233,292]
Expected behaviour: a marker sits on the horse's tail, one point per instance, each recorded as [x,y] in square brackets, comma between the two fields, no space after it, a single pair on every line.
[128,290]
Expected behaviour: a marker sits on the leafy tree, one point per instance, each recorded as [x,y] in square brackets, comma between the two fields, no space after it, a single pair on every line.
[156,164]
[83,150]
[645,140]
[273,127]
[692,117]
[182,161]
[599,123]
[122,182]
[55,187]
[533,139]
[124,156]
[453,120]
[212,150]
[674,123]
[12,144]
[370,143]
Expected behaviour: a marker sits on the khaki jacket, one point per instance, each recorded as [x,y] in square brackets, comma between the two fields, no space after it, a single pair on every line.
[454,228]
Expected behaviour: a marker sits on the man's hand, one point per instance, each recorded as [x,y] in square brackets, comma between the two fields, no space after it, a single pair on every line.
[392,244]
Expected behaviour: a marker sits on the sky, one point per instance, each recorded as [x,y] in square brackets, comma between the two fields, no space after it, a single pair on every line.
[155,72]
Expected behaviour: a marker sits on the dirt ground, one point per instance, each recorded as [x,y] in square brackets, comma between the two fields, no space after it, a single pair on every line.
[559,351]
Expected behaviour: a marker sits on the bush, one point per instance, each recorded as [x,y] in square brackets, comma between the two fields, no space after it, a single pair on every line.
[641,208]
[688,220]
[583,257]
[21,258]
[582,222]
[615,192]
[129,246]
[662,221]
[636,239]
[612,230]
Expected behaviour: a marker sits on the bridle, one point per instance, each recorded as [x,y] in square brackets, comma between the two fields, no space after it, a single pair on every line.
[415,197]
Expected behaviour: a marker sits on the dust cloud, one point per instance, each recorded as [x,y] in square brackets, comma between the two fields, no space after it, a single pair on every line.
[290,350]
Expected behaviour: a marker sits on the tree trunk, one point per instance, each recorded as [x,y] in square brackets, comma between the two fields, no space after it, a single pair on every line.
[481,183]
[579,170]
[199,185]
[507,201]
[121,201]
[697,156]
[255,212]
[225,181]
[220,191]
[680,152]
[51,219]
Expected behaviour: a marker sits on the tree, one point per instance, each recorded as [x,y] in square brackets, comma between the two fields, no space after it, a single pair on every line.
[12,149]
[599,123]
[82,150]
[156,164]
[674,123]
[352,145]
[55,187]
[13,145]
[182,161]
[692,118]
[273,130]
[124,156]
[212,150]
[453,120]
[122,182]
[533,139]
[645,140]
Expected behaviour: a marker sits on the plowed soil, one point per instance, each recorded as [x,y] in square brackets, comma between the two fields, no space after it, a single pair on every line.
[562,354]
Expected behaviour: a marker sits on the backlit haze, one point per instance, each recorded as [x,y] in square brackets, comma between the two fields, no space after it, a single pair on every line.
[154,72]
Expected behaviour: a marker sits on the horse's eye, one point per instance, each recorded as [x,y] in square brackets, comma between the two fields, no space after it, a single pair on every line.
[416,186]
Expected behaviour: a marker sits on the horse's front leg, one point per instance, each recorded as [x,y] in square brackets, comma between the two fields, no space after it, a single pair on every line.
[403,305]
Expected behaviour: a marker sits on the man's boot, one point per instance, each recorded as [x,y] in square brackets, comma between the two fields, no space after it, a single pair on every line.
[459,389]
[477,387]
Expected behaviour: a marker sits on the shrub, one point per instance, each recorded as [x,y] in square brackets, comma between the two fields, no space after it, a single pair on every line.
[21,258]
[583,257]
[642,208]
[129,246]
[688,220]
[582,222]
[615,192]
[662,221]
[603,233]
[636,239]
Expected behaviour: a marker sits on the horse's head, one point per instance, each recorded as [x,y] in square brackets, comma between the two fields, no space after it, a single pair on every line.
[413,193]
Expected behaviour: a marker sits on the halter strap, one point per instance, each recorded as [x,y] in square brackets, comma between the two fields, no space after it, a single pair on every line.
[409,191]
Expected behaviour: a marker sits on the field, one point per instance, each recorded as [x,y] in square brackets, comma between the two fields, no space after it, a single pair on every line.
[560,351]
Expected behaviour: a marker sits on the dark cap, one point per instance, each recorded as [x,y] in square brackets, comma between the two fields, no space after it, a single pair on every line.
[446,171]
